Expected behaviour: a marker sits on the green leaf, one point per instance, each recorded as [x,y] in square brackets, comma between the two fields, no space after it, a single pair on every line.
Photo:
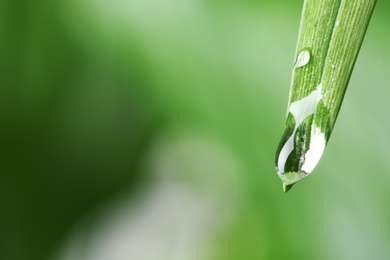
[330,37]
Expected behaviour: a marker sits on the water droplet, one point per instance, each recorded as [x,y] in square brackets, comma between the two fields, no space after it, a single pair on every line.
[303,58]
[300,110]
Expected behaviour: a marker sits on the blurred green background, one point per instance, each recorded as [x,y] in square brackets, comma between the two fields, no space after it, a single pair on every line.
[146,130]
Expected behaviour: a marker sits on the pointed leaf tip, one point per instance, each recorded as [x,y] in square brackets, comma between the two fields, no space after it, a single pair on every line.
[287,187]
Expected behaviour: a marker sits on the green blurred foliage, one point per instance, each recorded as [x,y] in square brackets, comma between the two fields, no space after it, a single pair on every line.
[89,87]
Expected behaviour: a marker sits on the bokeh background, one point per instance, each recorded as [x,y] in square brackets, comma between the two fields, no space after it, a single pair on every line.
[146,130]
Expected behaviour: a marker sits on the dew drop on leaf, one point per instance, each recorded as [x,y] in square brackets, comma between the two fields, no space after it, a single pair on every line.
[303,58]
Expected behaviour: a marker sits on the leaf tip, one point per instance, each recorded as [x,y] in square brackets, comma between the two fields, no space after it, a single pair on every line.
[287,187]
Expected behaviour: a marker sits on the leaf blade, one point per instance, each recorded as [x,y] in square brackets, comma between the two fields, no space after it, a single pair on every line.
[331,34]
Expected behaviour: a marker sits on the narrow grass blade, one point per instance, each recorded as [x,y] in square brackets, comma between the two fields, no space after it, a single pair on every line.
[331,33]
